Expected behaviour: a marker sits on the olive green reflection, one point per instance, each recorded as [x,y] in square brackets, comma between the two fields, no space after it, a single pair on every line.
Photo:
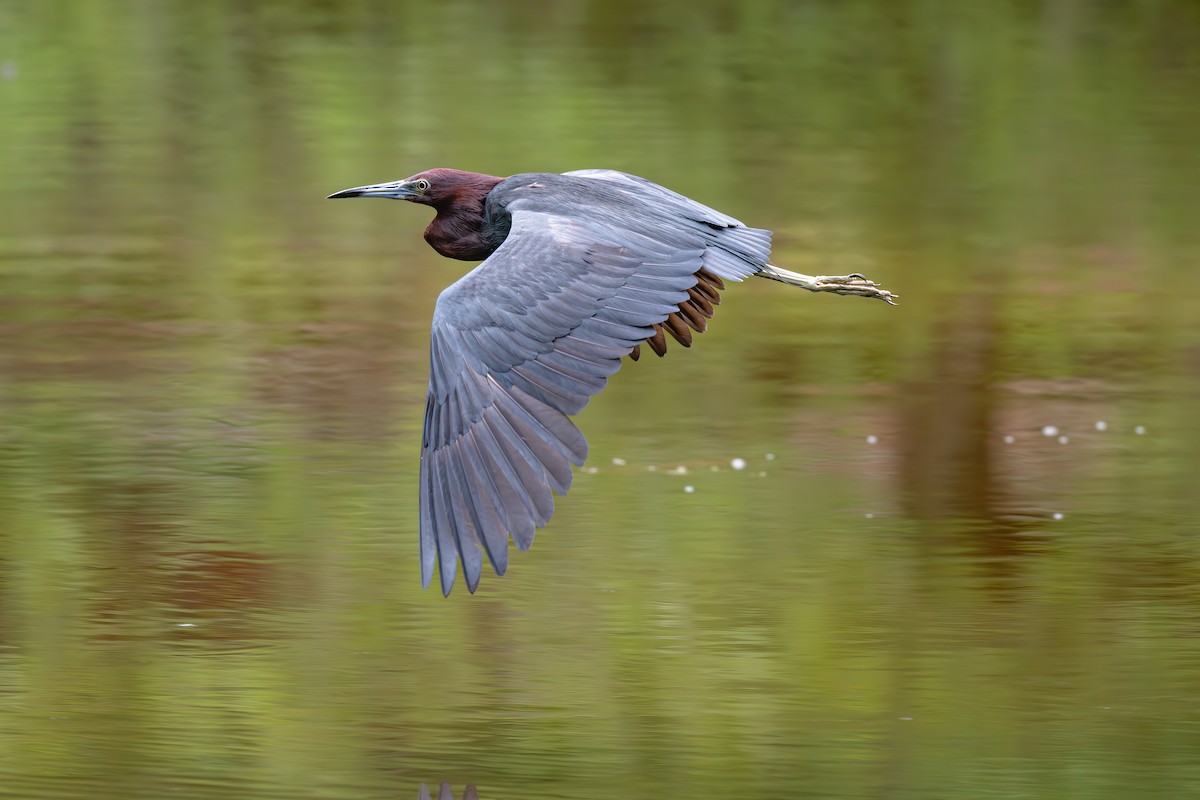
[211,385]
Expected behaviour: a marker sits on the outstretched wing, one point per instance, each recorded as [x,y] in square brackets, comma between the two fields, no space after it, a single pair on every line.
[526,338]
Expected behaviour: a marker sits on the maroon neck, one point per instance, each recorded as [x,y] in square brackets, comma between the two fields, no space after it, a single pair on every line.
[458,230]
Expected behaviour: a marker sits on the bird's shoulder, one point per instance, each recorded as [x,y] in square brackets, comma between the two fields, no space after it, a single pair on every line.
[541,250]
[549,191]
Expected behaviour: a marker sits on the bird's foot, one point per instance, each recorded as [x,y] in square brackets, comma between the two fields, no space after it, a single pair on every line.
[853,284]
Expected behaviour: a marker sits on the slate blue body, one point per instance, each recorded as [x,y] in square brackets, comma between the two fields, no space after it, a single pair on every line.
[585,265]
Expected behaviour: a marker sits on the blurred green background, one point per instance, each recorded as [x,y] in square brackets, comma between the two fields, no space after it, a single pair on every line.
[212,380]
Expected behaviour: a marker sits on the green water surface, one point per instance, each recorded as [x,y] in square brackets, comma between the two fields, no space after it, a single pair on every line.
[212,383]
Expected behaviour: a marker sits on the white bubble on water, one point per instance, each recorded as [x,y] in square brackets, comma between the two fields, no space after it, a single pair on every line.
[680,470]
[1101,425]
[1058,515]
[872,439]
[770,456]
[738,463]
[1063,439]
[618,462]
[869,515]
[1049,430]
[1140,430]
[1009,439]
[689,489]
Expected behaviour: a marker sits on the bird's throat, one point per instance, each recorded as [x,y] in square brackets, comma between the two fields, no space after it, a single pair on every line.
[460,234]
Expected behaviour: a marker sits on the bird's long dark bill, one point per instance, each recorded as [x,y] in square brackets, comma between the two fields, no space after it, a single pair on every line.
[396,190]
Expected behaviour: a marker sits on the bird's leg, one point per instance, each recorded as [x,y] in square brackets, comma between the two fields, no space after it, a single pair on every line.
[853,284]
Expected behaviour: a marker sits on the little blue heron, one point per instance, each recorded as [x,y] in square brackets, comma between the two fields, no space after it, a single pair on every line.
[579,270]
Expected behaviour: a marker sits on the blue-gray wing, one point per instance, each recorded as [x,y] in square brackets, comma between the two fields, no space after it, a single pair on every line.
[660,196]
[522,342]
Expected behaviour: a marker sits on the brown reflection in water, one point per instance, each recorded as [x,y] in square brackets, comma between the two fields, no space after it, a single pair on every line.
[204,580]
[343,375]
[146,571]
[81,350]
[946,465]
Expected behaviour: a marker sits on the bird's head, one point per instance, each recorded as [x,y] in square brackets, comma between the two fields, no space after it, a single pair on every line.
[435,187]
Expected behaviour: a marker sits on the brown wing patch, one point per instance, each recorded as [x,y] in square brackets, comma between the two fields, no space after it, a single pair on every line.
[693,315]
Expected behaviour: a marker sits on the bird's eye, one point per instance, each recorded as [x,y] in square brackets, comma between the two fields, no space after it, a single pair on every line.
[422,185]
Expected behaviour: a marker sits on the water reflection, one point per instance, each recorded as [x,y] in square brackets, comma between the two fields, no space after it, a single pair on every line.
[445,793]
[211,385]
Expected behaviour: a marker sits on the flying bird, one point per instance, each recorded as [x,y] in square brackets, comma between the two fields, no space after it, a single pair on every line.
[579,271]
